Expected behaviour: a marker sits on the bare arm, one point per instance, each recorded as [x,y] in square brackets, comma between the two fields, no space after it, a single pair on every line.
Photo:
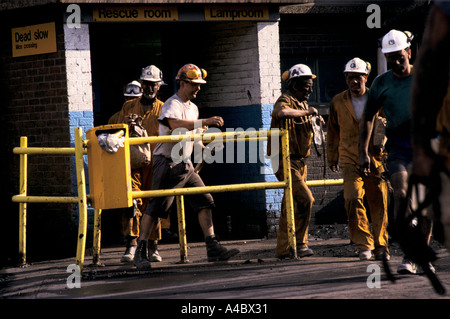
[290,113]
[190,124]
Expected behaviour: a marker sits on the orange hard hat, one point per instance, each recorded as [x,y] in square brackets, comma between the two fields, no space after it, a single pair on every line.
[191,73]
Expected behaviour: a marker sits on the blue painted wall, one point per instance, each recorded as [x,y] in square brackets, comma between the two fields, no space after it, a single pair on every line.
[85,120]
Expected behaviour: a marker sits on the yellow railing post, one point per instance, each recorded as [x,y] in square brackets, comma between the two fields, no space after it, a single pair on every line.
[289,202]
[182,229]
[23,206]
[82,197]
[97,237]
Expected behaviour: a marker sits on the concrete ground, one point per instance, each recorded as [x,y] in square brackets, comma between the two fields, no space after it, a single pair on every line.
[253,274]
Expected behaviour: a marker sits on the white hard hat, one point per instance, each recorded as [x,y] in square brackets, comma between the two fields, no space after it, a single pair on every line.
[358,66]
[297,70]
[152,73]
[133,89]
[396,40]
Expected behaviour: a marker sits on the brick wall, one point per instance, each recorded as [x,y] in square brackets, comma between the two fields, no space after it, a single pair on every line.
[243,81]
[34,104]
[269,63]
[79,95]
[232,65]
[242,64]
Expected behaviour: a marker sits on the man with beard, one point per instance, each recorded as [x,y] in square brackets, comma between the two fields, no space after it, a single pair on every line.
[391,90]
[148,107]
[343,152]
[292,108]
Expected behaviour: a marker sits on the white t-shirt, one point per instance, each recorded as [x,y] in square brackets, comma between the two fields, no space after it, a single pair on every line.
[175,108]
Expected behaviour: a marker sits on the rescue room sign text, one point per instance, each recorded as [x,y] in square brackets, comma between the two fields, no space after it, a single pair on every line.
[125,14]
[234,13]
[33,39]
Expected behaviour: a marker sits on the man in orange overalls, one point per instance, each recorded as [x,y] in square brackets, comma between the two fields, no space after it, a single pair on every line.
[345,113]
[292,107]
[148,106]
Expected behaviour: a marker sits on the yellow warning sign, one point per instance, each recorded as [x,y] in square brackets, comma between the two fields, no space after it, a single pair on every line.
[34,39]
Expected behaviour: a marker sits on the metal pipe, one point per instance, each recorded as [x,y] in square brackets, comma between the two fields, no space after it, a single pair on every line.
[236,136]
[23,206]
[82,197]
[44,199]
[208,189]
[46,150]
[97,237]
[289,201]
[325,182]
[181,191]
[182,229]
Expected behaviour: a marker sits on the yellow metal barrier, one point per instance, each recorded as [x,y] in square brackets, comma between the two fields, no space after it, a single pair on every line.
[82,199]
[23,206]
[236,137]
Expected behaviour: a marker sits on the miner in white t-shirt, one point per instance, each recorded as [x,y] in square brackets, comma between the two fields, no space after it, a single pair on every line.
[173,169]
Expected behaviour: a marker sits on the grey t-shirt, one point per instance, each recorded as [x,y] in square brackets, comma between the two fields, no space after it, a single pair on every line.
[358,105]
[175,108]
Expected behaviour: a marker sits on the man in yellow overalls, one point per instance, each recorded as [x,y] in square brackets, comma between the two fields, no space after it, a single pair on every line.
[148,106]
[292,108]
[343,151]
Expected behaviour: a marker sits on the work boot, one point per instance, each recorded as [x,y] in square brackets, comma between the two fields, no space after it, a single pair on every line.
[140,257]
[128,256]
[153,253]
[381,252]
[305,252]
[365,254]
[407,267]
[216,251]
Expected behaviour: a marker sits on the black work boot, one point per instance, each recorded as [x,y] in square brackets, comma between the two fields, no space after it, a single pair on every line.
[140,257]
[216,251]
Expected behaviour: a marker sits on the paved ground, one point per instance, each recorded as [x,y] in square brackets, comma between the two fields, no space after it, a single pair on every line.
[253,274]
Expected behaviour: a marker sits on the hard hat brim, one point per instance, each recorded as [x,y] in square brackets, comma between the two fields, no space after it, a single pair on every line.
[151,79]
[390,50]
[353,71]
[313,76]
[198,81]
